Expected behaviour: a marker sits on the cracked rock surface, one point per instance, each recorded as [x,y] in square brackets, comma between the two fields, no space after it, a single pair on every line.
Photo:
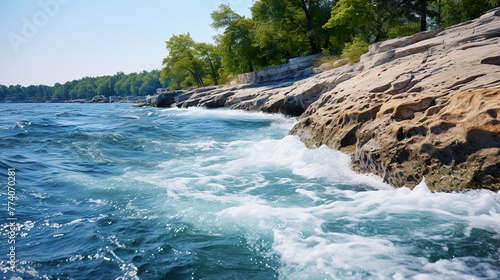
[427,105]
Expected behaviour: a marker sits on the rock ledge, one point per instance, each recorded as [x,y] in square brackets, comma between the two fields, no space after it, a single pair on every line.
[426,105]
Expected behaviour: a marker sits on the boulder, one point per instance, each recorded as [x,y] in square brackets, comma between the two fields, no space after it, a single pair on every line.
[216,100]
[99,99]
[293,106]
[163,100]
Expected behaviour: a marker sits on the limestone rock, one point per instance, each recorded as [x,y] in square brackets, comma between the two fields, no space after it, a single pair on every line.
[293,106]
[163,100]
[99,99]
[426,105]
[216,100]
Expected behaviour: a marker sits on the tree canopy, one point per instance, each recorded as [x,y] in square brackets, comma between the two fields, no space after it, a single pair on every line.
[276,31]
[282,29]
[296,24]
[237,43]
[190,63]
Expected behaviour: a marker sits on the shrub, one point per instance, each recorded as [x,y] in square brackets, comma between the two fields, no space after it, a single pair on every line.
[406,29]
[353,51]
[330,59]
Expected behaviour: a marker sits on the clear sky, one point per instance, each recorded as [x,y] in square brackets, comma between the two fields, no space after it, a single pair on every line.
[50,41]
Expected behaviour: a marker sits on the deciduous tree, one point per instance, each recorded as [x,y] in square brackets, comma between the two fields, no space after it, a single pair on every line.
[183,63]
[298,21]
[237,42]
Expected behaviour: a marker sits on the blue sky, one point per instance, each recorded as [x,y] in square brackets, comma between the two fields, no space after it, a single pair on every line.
[49,41]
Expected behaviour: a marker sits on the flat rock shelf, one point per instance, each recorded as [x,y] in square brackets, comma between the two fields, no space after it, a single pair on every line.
[423,106]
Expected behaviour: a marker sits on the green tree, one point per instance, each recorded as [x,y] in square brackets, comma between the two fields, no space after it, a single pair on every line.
[183,63]
[4,92]
[30,92]
[353,17]
[61,92]
[450,12]
[353,51]
[374,19]
[135,82]
[121,87]
[236,44]
[211,57]
[18,92]
[104,86]
[43,93]
[149,82]
[85,90]
[300,20]
[277,38]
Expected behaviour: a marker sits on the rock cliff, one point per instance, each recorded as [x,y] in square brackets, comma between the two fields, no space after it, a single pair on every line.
[424,105]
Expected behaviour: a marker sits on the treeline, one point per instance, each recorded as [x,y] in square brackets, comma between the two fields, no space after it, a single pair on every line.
[120,84]
[277,31]
[283,29]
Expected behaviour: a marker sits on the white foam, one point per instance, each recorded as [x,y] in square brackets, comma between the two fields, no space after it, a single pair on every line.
[279,193]
[76,221]
[223,113]
[97,201]
[334,255]
[457,268]
[312,195]
[422,188]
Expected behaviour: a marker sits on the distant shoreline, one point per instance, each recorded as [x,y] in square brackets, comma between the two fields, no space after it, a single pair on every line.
[114,99]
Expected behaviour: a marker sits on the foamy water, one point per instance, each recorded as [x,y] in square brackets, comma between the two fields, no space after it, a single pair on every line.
[113,192]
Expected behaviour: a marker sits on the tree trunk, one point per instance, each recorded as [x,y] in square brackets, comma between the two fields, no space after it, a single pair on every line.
[423,15]
[214,74]
[200,80]
[310,33]
[196,76]
[439,13]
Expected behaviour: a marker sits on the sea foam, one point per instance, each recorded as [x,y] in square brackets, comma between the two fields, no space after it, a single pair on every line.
[194,193]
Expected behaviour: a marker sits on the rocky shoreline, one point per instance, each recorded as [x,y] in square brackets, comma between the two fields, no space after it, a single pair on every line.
[426,105]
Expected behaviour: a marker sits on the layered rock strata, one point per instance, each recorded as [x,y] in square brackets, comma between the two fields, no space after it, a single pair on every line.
[426,105]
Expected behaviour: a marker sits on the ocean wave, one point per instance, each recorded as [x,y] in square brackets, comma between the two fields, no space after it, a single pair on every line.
[195,193]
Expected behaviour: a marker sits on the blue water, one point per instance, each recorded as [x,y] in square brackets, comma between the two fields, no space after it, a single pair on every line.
[108,191]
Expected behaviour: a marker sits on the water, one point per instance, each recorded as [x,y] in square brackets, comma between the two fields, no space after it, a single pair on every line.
[107,191]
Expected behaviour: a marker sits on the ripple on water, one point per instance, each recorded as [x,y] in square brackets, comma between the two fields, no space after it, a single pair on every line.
[111,192]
